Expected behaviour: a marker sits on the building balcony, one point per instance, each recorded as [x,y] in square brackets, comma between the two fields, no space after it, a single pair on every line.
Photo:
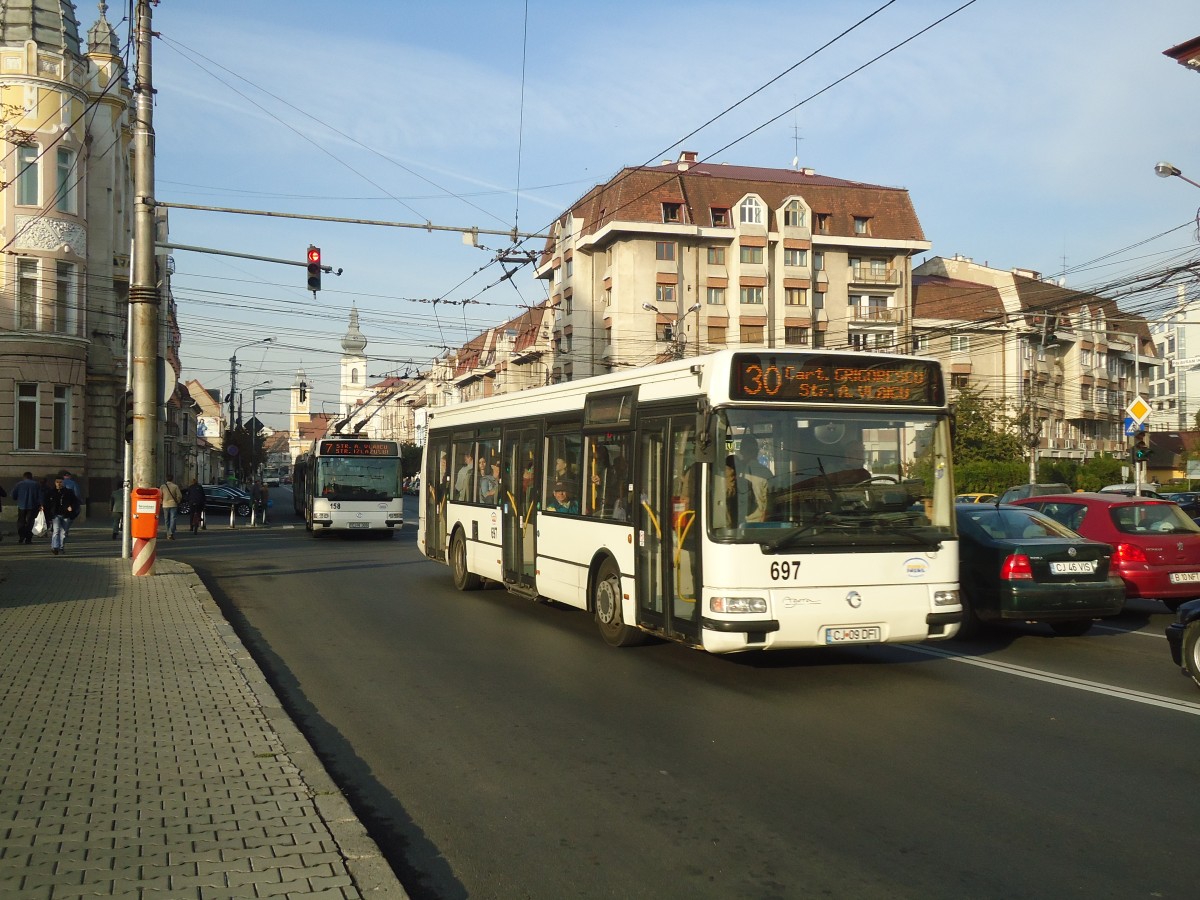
[876,315]
[874,275]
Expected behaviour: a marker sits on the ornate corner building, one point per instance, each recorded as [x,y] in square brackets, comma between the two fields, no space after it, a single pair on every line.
[66,228]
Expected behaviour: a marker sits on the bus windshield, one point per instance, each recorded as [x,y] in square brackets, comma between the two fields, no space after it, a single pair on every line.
[794,479]
[357,478]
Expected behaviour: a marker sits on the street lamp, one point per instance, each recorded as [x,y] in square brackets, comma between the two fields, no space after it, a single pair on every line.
[1166,170]
[254,394]
[678,342]
[233,385]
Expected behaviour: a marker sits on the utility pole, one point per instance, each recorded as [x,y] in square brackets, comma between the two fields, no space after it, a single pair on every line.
[143,292]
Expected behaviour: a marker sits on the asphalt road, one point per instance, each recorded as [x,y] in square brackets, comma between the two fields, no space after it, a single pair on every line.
[498,748]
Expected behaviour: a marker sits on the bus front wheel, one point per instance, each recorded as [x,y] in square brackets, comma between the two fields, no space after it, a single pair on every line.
[606,600]
[464,578]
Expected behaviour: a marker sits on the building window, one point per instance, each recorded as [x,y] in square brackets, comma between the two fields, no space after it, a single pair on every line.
[716,256]
[27,175]
[664,250]
[795,296]
[960,343]
[716,334]
[818,339]
[795,336]
[818,260]
[608,296]
[793,214]
[65,303]
[753,334]
[752,295]
[752,255]
[818,301]
[824,222]
[920,343]
[64,194]
[27,417]
[568,267]
[27,294]
[716,296]
[862,225]
[665,332]
[566,305]
[671,212]
[720,217]
[795,257]
[960,381]
[62,417]
[354,376]
[1085,393]
[751,212]
[664,293]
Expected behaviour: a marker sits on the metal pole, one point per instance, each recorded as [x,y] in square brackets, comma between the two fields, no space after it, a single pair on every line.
[143,292]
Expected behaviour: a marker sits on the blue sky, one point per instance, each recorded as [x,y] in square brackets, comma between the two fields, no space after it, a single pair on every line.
[1025,131]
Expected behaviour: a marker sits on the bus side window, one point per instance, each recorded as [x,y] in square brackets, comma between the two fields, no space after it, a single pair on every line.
[564,452]
[487,466]
[606,478]
[463,474]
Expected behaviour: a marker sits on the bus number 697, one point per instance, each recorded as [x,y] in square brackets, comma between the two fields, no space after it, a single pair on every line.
[785,571]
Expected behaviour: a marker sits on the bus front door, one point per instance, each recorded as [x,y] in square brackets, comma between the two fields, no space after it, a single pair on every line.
[521,482]
[668,526]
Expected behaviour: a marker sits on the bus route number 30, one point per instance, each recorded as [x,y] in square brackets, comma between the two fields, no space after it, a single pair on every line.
[785,571]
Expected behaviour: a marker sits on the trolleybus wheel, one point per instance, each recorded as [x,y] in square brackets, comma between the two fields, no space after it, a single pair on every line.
[606,600]
[464,578]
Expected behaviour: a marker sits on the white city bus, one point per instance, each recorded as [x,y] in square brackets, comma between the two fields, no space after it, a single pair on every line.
[735,501]
[350,483]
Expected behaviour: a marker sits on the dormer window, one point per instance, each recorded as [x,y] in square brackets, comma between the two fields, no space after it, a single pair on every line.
[751,212]
[720,217]
[671,212]
[824,222]
[862,225]
[793,215]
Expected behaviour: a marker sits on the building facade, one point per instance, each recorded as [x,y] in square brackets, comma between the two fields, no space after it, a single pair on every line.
[690,257]
[66,223]
[1174,391]
[1070,361]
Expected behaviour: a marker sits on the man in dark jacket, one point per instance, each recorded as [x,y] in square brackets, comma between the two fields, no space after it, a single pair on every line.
[61,506]
[195,499]
[28,497]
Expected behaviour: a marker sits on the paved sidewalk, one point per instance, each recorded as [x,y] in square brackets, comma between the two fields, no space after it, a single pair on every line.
[142,753]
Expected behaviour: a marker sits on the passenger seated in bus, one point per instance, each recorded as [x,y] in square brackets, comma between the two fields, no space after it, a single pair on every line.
[488,484]
[561,499]
[462,482]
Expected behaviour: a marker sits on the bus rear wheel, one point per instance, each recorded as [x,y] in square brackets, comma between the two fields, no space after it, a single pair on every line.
[606,601]
[464,578]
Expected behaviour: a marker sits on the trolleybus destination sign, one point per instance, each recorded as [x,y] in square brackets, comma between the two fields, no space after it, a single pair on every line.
[837,379]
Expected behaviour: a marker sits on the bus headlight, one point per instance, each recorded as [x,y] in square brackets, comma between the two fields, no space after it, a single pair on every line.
[746,605]
[945,598]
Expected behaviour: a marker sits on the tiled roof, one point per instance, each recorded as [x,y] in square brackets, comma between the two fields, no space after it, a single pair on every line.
[637,194]
[1038,296]
[937,297]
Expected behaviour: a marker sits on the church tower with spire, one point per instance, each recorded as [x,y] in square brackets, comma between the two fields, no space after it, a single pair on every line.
[353,367]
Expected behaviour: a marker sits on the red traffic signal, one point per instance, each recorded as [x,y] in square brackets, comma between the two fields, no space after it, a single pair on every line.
[314,268]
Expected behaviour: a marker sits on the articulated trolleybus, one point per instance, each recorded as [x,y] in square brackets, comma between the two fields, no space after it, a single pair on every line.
[350,483]
[736,501]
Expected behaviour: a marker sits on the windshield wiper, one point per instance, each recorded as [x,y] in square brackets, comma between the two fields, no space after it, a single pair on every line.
[827,521]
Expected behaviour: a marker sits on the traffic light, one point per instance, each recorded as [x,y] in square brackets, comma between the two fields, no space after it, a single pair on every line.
[1141,449]
[129,417]
[314,268]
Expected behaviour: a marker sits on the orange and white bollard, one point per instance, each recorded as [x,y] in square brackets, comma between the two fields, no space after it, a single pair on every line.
[144,553]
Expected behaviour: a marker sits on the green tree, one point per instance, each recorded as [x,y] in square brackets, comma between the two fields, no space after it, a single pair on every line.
[985,431]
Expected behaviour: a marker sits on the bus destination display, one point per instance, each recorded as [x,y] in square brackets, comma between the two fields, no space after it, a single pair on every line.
[835,379]
[358,448]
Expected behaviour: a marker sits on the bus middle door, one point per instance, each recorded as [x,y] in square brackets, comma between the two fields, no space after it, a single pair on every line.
[522,479]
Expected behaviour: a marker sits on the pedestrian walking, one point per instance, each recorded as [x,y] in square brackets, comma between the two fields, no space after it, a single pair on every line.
[28,497]
[172,496]
[61,506]
[195,499]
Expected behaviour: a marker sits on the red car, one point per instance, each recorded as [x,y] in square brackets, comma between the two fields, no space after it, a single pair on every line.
[1156,545]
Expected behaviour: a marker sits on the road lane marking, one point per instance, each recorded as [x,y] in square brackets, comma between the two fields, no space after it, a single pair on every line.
[1079,684]
[1150,634]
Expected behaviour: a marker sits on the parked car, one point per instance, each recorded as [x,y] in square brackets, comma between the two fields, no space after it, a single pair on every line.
[1182,497]
[220,498]
[1021,491]
[1016,564]
[1183,637]
[976,498]
[1156,546]
[1146,490]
